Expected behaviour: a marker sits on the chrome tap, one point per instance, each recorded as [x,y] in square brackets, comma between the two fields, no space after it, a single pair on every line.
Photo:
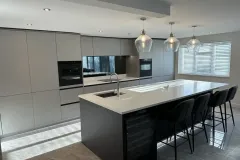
[118,84]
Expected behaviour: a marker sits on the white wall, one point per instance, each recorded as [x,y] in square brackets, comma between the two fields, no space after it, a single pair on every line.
[234,78]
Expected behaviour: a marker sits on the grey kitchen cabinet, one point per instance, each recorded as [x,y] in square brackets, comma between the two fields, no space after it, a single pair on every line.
[105,87]
[124,84]
[158,58]
[16,113]
[14,66]
[68,47]
[91,89]
[42,60]
[168,78]
[133,83]
[47,109]
[106,46]
[70,95]
[145,81]
[71,111]
[87,46]
[168,63]
[127,47]
[158,79]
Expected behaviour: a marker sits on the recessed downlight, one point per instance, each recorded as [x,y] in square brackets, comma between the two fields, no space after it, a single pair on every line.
[29,24]
[47,9]
[100,31]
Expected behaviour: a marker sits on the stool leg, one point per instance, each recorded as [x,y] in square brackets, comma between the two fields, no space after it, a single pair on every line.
[225,113]
[188,138]
[204,127]
[193,134]
[232,113]
[222,118]
[213,118]
[175,142]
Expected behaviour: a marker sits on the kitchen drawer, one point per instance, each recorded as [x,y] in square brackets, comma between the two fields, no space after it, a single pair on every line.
[123,84]
[105,87]
[91,89]
[145,81]
[71,111]
[133,83]
[70,95]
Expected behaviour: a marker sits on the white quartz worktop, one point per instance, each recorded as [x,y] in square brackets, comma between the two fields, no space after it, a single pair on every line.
[145,96]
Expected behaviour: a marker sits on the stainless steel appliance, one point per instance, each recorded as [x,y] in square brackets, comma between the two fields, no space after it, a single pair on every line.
[70,73]
[145,67]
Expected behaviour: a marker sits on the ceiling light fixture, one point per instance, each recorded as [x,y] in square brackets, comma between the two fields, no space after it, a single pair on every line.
[47,9]
[143,43]
[193,44]
[29,24]
[172,43]
[100,31]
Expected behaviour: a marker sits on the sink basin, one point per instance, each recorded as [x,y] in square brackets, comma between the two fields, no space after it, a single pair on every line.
[108,94]
[109,80]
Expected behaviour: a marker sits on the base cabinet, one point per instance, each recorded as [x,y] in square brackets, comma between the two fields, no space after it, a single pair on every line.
[71,111]
[16,113]
[47,109]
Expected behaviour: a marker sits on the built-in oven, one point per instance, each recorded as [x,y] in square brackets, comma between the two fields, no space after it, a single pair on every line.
[145,67]
[70,73]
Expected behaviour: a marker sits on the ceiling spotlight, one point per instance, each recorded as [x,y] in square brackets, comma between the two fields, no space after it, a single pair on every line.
[100,31]
[29,24]
[47,9]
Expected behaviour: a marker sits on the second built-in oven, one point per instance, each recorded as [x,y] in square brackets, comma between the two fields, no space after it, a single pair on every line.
[145,67]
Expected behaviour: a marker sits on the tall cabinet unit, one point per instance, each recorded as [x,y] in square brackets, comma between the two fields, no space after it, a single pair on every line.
[68,47]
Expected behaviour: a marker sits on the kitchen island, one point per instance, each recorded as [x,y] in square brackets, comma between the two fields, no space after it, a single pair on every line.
[128,127]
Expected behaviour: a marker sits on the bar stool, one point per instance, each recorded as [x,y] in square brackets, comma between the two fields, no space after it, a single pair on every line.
[179,116]
[231,94]
[216,100]
[199,114]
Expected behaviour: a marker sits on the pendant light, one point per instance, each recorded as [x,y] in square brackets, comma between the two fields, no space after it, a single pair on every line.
[193,44]
[172,43]
[143,43]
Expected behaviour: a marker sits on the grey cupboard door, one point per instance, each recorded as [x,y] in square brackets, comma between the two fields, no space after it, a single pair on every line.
[106,87]
[71,111]
[91,89]
[42,60]
[14,66]
[158,58]
[87,46]
[106,46]
[70,95]
[68,47]
[16,113]
[168,63]
[127,47]
[47,109]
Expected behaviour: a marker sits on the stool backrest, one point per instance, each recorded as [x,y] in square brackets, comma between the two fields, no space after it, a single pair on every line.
[182,111]
[218,98]
[200,107]
[231,93]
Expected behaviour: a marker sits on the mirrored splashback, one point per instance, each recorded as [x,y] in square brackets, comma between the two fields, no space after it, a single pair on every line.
[103,65]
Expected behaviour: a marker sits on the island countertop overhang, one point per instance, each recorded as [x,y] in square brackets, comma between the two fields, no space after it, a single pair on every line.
[146,96]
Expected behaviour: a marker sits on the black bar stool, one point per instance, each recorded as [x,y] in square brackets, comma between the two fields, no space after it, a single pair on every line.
[231,94]
[216,100]
[179,116]
[199,114]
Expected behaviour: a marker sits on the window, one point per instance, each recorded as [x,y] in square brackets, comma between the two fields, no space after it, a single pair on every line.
[213,59]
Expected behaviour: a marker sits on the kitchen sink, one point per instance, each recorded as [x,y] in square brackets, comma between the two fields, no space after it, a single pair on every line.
[109,80]
[108,94]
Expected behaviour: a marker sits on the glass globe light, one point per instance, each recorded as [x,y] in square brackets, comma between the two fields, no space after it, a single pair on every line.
[143,43]
[193,44]
[172,44]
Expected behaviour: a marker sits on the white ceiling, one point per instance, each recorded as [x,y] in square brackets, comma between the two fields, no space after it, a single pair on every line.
[213,16]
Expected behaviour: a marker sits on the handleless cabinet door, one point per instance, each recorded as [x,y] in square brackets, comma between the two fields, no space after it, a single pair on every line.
[91,89]
[47,109]
[87,46]
[106,87]
[106,46]
[14,66]
[146,81]
[127,47]
[42,60]
[158,58]
[133,83]
[68,47]
[16,113]
[70,95]
[168,63]
[71,111]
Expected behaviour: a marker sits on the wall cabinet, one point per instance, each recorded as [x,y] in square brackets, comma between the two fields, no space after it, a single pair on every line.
[127,47]
[87,46]
[42,60]
[14,66]
[47,109]
[16,113]
[70,111]
[106,46]
[68,47]
[70,95]
[91,89]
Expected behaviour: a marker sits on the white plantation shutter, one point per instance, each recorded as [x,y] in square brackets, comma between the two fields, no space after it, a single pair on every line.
[213,59]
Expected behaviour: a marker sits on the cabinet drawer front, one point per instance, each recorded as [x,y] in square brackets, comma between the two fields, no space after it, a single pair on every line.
[70,95]
[91,89]
[106,87]
[133,83]
[71,111]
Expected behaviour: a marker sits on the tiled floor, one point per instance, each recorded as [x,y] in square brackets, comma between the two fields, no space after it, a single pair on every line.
[64,143]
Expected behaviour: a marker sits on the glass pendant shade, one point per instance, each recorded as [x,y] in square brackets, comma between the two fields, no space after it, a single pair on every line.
[172,44]
[193,45]
[143,43]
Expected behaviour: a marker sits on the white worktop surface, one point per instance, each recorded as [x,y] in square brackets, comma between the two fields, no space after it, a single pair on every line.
[145,96]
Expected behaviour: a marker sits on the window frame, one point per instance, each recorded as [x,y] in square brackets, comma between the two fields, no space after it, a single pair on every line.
[213,57]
